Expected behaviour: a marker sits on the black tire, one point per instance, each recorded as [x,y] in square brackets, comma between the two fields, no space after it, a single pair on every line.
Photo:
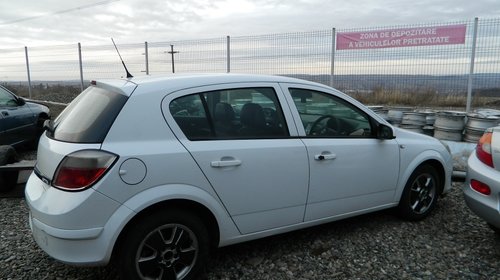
[420,195]
[494,228]
[8,179]
[33,144]
[173,244]
[40,122]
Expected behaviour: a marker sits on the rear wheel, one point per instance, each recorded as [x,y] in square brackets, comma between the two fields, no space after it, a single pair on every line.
[8,179]
[169,244]
[420,194]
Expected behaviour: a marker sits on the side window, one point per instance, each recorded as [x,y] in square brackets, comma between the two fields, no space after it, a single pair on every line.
[243,113]
[325,115]
[6,99]
[189,113]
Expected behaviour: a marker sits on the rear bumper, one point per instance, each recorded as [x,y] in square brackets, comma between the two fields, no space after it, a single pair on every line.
[78,228]
[77,247]
[486,207]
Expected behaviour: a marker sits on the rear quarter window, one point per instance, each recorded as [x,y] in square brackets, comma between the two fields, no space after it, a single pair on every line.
[89,117]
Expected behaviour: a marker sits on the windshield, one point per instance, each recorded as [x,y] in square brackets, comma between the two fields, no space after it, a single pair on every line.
[88,118]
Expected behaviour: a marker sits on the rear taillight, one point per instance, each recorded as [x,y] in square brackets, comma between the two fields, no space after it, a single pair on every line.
[483,149]
[480,187]
[80,170]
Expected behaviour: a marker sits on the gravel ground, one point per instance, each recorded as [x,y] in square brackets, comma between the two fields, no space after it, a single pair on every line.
[450,244]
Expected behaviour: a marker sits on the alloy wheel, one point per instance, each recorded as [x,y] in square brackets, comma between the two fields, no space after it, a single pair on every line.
[168,252]
[422,193]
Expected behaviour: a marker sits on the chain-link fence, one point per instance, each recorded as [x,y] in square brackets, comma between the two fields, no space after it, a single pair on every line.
[470,65]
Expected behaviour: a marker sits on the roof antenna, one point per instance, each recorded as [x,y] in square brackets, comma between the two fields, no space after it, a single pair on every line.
[126,70]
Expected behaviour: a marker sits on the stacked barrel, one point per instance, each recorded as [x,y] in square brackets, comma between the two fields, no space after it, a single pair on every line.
[477,124]
[444,125]
[449,125]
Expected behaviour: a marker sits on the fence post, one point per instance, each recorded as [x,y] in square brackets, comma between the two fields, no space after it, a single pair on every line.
[228,67]
[332,70]
[28,70]
[146,55]
[81,65]
[471,69]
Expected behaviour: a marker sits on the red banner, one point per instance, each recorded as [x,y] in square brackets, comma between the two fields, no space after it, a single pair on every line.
[403,37]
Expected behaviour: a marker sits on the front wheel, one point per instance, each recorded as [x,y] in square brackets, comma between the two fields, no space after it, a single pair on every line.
[169,244]
[420,194]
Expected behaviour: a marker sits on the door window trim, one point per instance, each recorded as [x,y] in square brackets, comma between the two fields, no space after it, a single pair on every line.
[352,103]
[280,99]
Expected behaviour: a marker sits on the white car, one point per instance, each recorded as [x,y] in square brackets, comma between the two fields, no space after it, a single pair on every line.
[157,171]
[482,185]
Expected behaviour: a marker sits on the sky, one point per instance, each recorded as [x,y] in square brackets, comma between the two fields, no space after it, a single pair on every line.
[35,23]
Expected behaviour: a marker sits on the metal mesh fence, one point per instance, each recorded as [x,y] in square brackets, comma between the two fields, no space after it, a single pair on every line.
[54,63]
[189,56]
[486,81]
[103,61]
[439,67]
[307,55]
[12,65]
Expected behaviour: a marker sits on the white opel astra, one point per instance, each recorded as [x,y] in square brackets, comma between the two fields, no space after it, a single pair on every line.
[155,172]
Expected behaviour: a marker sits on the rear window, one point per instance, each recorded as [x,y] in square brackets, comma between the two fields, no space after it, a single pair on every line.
[88,118]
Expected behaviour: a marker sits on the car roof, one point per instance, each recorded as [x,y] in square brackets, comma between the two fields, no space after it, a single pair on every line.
[181,81]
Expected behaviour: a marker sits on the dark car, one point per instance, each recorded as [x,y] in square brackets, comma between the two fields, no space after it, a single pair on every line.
[21,122]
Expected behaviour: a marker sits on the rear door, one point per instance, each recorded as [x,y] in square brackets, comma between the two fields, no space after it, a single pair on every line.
[240,136]
[351,170]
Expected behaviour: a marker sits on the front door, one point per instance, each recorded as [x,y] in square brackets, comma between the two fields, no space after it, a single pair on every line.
[351,170]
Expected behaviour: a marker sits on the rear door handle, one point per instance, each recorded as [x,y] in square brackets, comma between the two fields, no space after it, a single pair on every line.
[5,113]
[325,157]
[225,163]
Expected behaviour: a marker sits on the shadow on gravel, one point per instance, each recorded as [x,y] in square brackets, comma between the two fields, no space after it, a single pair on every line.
[17,192]
[451,243]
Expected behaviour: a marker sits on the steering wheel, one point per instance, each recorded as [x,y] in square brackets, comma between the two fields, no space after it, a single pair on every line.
[331,128]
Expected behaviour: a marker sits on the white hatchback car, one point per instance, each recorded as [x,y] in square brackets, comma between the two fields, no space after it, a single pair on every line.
[157,171]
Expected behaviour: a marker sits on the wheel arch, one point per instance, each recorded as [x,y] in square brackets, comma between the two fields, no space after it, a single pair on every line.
[41,118]
[431,158]
[196,208]
[44,115]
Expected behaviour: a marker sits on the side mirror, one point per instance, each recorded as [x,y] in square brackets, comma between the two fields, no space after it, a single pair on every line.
[20,101]
[385,132]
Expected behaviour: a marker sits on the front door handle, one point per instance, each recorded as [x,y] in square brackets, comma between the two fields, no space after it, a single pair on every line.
[5,113]
[325,156]
[225,163]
